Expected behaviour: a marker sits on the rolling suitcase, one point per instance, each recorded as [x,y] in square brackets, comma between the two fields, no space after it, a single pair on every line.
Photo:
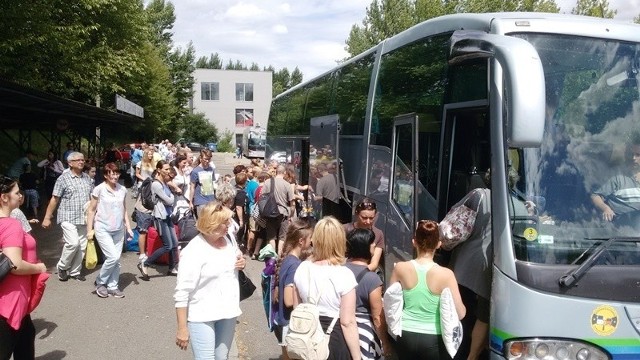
[155,242]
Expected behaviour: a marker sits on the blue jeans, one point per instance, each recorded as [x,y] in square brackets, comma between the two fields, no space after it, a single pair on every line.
[211,339]
[111,245]
[169,243]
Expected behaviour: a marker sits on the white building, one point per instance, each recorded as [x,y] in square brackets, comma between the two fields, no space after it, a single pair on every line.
[232,99]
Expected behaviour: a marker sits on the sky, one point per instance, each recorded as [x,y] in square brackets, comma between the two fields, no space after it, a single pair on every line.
[308,34]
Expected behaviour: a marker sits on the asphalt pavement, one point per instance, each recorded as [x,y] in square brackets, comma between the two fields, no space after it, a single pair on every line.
[74,323]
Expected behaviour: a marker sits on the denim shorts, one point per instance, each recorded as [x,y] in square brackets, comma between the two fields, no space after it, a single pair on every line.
[143,221]
[32,198]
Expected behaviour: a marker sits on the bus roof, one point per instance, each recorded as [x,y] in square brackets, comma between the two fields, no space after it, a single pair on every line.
[466,21]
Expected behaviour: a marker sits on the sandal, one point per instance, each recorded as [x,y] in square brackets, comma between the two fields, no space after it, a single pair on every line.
[254,256]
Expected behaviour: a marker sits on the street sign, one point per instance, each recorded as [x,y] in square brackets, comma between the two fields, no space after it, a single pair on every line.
[129,107]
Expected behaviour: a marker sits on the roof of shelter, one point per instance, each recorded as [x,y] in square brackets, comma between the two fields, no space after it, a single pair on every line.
[22,107]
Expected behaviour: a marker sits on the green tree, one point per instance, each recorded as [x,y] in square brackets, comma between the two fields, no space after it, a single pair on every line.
[637,19]
[384,18]
[225,144]
[296,77]
[155,95]
[161,17]
[196,127]
[93,49]
[181,66]
[201,63]
[283,78]
[549,6]
[596,8]
[238,65]
[428,9]
[213,62]
[507,5]
[78,49]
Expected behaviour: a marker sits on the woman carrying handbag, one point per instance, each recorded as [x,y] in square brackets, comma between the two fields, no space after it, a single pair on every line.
[207,296]
[17,333]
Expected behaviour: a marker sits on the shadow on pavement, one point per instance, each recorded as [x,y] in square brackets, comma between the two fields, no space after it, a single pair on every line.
[53,355]
[127,279]
[43,325]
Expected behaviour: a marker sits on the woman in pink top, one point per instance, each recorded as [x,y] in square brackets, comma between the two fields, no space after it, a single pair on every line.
[17,334]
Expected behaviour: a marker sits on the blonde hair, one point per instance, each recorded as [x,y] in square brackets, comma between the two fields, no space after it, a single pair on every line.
[212,215]
[145,162]
[329,241]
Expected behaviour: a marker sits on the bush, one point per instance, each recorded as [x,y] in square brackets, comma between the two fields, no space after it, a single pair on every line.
[225,144]
[196,127]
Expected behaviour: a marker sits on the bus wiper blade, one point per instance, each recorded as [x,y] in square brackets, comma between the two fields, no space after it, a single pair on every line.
[575,274]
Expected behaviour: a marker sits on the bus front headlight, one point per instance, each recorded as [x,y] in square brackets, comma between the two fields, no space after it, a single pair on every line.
[552,349]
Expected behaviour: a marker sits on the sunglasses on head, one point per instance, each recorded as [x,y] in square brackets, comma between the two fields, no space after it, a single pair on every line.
[366,205]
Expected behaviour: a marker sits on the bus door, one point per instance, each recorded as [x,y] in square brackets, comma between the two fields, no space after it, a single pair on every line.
[401,216]
[297,156]
[466,155]
[324,174]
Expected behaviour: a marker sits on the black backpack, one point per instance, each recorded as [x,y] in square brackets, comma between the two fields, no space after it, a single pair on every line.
[147,197]
[267,203]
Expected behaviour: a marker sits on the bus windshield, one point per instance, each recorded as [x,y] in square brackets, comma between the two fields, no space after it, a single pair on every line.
[582,186]
[254,141]
[257,140]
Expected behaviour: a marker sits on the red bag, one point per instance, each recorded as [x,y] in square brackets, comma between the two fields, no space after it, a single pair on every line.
[155,242]
[38,284]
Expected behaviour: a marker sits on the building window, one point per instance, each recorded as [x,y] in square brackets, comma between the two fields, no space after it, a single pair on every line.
[244,92]
[210,91]
[244,117]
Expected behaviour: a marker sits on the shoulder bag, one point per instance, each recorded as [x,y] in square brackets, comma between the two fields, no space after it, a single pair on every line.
[5,266]
[247,287]
[458,224]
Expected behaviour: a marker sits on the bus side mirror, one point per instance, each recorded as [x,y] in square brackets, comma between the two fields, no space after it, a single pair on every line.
[522,91]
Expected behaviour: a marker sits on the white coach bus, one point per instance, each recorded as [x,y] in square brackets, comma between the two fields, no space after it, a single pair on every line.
[253,141]
[412,121]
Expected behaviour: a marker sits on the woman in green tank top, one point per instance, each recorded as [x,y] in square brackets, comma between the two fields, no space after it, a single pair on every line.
[422,283]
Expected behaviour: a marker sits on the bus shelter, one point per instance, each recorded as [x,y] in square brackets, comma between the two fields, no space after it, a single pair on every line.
[27,114]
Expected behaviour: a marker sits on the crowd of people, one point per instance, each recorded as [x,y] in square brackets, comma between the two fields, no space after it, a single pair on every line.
[311,256]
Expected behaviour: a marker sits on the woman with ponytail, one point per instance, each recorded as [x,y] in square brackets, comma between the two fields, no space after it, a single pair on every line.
[296,244]
[422,283]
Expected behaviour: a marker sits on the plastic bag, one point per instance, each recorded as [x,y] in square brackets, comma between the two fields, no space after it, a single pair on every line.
[91,257]
[449,323]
